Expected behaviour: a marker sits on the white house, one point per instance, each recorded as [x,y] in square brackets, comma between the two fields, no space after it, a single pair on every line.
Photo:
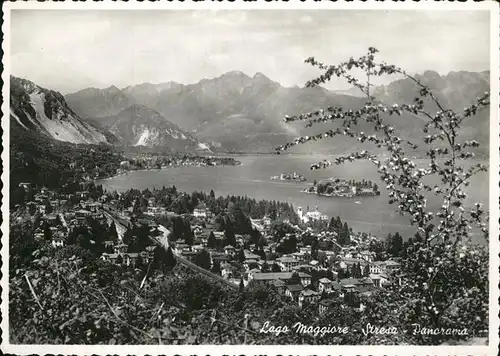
[379,280]
[287,263]
[58,242]
[377,267]
[230,250]
[324,285]
[201,211]
[311,215]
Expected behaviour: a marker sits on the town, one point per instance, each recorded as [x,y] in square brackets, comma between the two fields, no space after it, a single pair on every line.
[335,187]
[292,177]
[307,257]
[159,161]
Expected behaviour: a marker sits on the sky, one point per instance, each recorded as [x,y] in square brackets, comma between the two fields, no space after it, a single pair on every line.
[69,50]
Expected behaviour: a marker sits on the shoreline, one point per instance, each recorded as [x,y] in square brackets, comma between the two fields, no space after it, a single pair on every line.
[162,169]
[341,196]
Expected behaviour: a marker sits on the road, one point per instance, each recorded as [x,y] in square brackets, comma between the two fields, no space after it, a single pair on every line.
[120,227]
[163,241]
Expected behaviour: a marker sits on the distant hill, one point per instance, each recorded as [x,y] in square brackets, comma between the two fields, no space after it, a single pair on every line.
[92,102]
[44,111]
[45,161]
[455,91]
[244,113]
[139,126]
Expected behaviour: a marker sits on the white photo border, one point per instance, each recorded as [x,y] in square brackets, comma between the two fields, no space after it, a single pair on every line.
[491,349]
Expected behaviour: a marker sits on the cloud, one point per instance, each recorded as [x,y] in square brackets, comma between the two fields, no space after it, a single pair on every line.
[69,50]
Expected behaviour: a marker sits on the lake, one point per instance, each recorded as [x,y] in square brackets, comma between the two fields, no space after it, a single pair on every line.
[252,178]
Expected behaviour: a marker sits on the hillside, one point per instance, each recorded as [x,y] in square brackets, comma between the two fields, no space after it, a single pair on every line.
[36,109]
[48,162]
[244,113]
[92,102]
[455,91]
[140,126]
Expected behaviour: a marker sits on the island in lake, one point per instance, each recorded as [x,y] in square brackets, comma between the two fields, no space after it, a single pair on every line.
[335,187]
[290,177]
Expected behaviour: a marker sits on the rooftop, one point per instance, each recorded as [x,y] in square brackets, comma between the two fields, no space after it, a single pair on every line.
[269,276]
[324,280]
[295,287]
[309,293]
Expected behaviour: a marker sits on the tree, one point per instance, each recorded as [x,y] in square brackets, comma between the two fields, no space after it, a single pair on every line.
[119,260]
[295,279]
[202,259]
[275,267]
[314,248]
[433,284]
[48,207]
[189,236]
[229,236]
[211,241]
[47,233]
[216,267]
[241,255]
[394,244]
[170,260]
[366,270]
[136,209]
[113,235]
[242,285]
[314,279]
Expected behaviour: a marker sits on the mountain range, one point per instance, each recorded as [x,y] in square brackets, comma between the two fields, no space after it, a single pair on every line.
[46,112]
[233,112]
[141,126]
[238,112]
[37,109]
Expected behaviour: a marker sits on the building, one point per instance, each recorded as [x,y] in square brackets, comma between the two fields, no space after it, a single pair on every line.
[267,277]
[94,207]
[52,219]
[314,264]
[279,285]
[349,262]
[391,266]
[200,211]
[293,291]
[326,304]
[197,230]
[287,263]
[25,186]
[82,214]
[308,296]
[82,195]
[39,235]
[130,259]
[230,250]
[58,241]
[311,215]
[377,267]
[120,248]
[380,280]
[110,257]
[301,256]
[108,244]
[324,285]
[266,221]
[189,255]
